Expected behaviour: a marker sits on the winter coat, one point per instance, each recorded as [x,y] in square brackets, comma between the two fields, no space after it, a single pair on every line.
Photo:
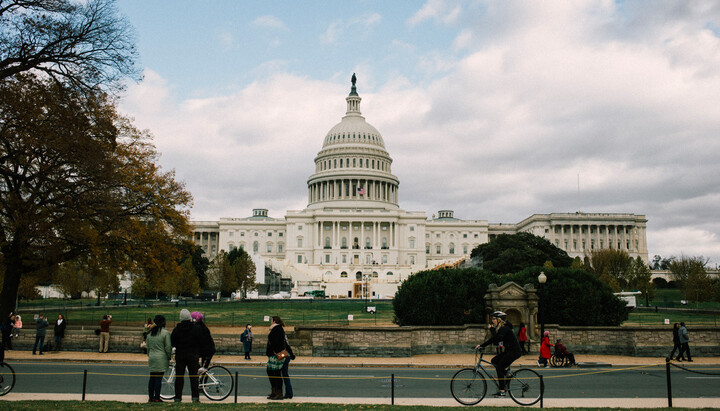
[207,344]
[159,349]
[276,340]
[186,338]
[683,335]
[522,334]
[545,347]
[40,326]
[59,330]
[247,338]
[505,335]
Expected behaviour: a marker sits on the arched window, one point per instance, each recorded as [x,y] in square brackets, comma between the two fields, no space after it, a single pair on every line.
[356,245]
[358,276]
[343,274]
[384,243]
[375,274]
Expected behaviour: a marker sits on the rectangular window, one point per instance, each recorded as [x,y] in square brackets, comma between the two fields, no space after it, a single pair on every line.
[280,248]
[269,233]
[280,234]
[476,236]
[327,258]
[437,250]
[384,259]
[299,242]
[412,228]
[344,258]
[269,248]
[464,235]
[299,259]
[231,233]
[412,243]
[412,259]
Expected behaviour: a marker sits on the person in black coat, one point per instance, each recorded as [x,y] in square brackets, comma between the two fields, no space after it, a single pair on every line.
[186,340]
[502,331]
[275,344]
[207,344]
[676,342]
[59,331]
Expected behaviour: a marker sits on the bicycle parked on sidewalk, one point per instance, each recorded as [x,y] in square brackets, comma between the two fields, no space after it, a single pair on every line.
[469,385]
[215,382]
[7,378]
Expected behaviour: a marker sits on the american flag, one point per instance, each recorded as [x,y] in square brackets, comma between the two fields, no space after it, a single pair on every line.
[361,191]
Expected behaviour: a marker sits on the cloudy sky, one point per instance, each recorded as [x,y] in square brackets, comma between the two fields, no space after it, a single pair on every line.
[497,110]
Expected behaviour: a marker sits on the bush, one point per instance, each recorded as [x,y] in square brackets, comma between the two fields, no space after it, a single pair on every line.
[574,297]
[443,297]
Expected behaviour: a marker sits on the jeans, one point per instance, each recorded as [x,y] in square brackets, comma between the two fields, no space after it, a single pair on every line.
[154,385]
[189,360]
[501,363]
[286,378]
[41,340]
[58,342]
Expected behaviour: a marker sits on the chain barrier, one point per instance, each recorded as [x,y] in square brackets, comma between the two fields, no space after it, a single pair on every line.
[692,371]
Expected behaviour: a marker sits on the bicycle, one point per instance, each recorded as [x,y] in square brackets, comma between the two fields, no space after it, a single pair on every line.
[7,378]
[215,382]
[469,385]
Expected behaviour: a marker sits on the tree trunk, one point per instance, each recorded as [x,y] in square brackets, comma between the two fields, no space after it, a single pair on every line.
[11,283]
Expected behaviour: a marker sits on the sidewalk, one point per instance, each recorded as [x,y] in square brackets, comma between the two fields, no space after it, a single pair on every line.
[426,361]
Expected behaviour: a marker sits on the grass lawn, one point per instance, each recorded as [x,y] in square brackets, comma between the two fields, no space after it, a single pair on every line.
[113,405]
[234,313]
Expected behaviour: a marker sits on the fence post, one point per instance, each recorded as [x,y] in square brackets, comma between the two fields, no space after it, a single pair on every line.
[542,391]
[236,386]
[669,386]
[392,389]
[84,384]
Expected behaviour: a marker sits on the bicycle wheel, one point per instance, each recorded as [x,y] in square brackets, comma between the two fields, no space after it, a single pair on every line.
[167,391]
[557,360]
[216,383]
[525,387]
[468,387]
[7,378]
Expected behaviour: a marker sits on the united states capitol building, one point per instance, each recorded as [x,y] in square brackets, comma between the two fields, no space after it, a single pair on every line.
[353,240]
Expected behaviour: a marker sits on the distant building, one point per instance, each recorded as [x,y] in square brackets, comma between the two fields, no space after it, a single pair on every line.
[352,240]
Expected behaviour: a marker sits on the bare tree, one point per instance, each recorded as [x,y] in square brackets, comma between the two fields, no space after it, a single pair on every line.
[84,44]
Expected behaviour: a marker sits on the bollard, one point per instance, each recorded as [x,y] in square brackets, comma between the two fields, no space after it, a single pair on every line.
[542,391]
[669,386]
[392,389]
[236,386]
[84,384]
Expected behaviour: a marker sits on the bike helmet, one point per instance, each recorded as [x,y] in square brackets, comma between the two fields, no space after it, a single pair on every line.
[196,316]
[499,314]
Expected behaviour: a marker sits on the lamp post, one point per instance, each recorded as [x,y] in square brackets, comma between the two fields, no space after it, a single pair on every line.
[542,278]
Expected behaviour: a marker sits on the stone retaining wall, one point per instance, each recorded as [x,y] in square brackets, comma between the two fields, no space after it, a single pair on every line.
[327,341]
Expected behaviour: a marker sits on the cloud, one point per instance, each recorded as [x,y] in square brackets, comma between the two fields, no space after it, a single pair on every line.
[441,10]
[269,21]
[358,26]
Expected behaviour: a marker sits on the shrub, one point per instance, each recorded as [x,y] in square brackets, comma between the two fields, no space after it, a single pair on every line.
[443,297]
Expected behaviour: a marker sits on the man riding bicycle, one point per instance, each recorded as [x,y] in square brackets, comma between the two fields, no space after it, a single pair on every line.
[501,331]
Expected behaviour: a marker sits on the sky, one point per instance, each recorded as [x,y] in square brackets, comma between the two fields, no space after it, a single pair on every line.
[494,109]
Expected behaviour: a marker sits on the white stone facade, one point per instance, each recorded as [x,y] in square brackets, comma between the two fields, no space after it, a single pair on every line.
[353,240]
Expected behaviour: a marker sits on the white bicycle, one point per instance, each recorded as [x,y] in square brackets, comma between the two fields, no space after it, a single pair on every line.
[216,383]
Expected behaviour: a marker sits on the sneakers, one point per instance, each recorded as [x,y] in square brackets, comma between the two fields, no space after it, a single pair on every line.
[499,394]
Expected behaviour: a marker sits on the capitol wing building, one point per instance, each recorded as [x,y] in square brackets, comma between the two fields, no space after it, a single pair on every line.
[353,240]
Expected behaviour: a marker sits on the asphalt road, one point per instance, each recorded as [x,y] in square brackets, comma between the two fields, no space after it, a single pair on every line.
[617,382]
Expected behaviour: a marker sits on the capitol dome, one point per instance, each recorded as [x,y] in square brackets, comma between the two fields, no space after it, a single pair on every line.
[352,170]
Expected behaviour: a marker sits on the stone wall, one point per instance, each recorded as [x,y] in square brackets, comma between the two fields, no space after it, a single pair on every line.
[407,341]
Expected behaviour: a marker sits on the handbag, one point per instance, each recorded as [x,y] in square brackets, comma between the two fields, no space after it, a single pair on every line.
[282,355]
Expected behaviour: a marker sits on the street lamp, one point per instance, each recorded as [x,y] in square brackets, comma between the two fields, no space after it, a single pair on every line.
[542,278]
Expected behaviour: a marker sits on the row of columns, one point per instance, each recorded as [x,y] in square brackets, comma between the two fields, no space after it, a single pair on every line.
[618,234]
[347,189]
[375,231]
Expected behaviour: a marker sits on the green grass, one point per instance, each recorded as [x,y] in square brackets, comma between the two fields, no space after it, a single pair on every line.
[671,297]
[691,319]
[114,405]
[234,313]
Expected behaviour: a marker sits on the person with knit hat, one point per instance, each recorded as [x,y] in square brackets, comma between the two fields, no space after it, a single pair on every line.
[207,344]
[186,340]
[545,350]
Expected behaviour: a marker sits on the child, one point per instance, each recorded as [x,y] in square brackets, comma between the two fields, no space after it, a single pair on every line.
[544,350]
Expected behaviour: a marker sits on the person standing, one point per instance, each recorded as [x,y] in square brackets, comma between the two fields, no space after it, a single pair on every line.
[59,331]
[275,344]
[149,325]
[676,342]
[207,344]
[186,340]
[18,326]
[284,370]
[247,338]
[159,350]
[41,324]
[684,341]
[105,332]
[522,338]
[7,328]
[545,350]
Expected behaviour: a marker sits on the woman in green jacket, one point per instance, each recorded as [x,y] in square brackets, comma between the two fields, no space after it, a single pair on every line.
[159,351]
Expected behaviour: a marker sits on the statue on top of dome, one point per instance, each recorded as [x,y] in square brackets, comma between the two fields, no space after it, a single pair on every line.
[353,79]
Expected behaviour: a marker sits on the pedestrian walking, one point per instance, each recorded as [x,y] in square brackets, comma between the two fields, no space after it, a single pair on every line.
[159,350]
[105,333]
[207,344]
[186,340]
[275,347]
[7,328]
[59,331]
[522,338]
[676,342]
[41,324]
[247,338]
[284,370]
[18,326]
[684,341]
[545,350]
